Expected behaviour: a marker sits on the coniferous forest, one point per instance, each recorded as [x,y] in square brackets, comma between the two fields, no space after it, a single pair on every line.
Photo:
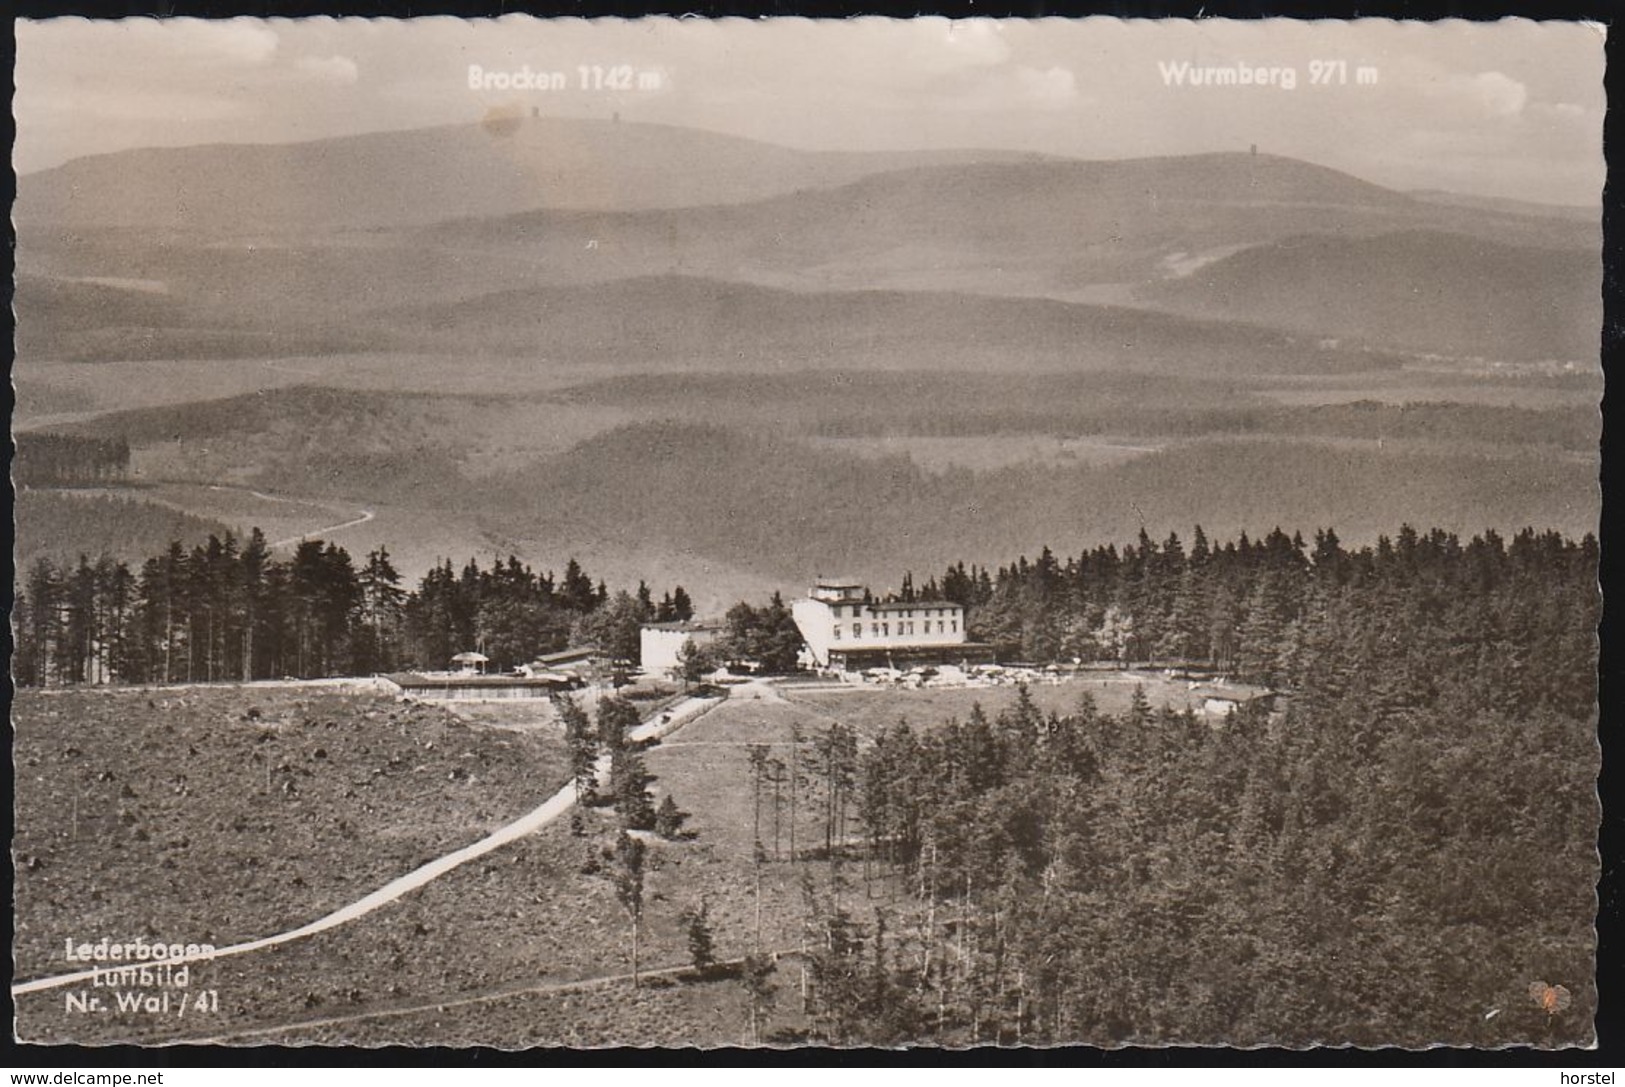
[1398,850]
[1403,852]
[1519,616]
[229,610]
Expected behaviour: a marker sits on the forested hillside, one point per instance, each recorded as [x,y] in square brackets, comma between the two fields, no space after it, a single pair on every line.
[756,479]
[1556,411]
[61,527]
[638,243]
[775,506]
[1403,854]
[228,610]
[1399,852]
[1408,289]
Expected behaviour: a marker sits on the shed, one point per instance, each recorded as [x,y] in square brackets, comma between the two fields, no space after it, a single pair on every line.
[1221,700]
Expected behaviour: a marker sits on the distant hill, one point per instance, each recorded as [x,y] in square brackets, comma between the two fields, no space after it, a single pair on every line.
[777,508]
[729,500]
[1128,404]
[290,275]
[737,287]
[1033,228]
[83,320]
[669,322]
[1420,290]
[62,525]
[392,179]
[1590,215]
[308,440]
[310,408]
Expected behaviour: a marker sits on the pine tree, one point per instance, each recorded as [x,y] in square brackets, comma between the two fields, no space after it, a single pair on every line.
[696,922]
[40,630]
[581,741]
[382,601]
[616,720]
[576,591]
[629,856]
[669,819]
[694,661]
[1263,637]
[755,977]
[629,784]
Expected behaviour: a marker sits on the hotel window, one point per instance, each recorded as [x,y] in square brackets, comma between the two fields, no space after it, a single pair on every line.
[857,630]
[954,626]
[837,633]
[885,630]
[940,626]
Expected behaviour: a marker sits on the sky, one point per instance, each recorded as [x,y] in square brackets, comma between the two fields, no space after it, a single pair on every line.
[1509,109]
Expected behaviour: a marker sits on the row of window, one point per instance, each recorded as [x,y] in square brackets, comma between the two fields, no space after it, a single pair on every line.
[908,613]
[944,626]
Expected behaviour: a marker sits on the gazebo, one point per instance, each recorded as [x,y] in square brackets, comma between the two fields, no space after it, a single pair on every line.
[471,663]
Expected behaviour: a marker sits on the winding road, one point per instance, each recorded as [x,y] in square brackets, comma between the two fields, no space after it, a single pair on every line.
[529,823]
[362,517]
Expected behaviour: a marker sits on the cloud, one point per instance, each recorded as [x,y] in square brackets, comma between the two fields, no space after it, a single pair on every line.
[198,41]
[240,40]
[130,106]
[1492,93]
[1518,91]
[974,42]
[333,69]
[156,53]
[1047,86]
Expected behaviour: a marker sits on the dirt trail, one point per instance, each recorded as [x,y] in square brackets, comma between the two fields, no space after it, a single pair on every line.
[363,516]
[529,823]
[326,530]
[464,999]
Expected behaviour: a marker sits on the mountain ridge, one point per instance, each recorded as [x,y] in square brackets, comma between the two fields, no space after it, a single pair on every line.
[1432,291]
[411,176]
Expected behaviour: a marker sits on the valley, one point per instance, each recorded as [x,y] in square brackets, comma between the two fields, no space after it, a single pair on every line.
[731,485]
[866,534]
[1001,351]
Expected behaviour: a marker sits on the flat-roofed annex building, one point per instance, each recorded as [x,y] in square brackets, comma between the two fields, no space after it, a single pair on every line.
[845,627]
[661,644]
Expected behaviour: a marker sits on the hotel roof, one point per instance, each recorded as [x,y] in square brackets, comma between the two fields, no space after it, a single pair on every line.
[910,605]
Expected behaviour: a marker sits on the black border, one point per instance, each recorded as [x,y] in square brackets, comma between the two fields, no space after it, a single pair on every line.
[1611,948]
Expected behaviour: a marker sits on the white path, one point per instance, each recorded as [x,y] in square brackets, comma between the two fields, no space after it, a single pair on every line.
[363,516]
[529,823]
[326,530]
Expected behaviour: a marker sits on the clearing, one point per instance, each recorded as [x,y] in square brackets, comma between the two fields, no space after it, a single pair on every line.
[217,815]
[459,955]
